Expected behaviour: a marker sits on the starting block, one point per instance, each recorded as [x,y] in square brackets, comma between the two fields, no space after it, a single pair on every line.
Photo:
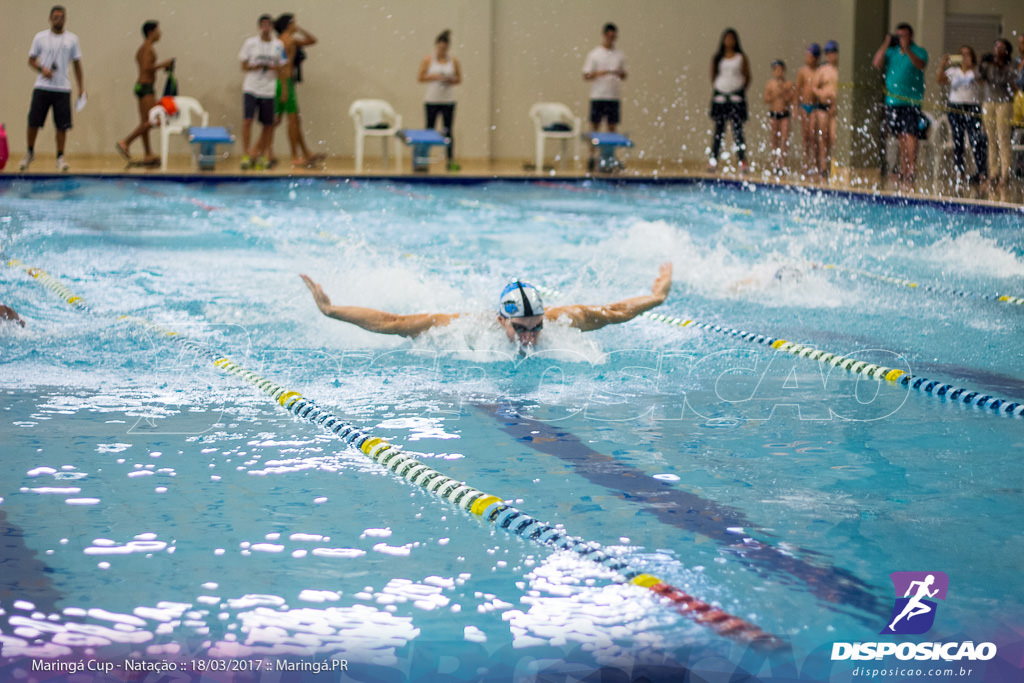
[421,140]
[206,139]
[606,144]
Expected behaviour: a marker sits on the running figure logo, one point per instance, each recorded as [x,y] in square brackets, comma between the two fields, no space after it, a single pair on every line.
[914,614]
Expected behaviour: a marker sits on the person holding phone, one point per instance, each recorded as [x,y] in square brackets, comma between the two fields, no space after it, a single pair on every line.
[964,111]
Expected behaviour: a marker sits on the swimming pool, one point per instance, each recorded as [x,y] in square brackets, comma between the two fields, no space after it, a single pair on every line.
[158,509]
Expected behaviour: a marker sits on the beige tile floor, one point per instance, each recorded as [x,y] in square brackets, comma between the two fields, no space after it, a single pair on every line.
[854,180]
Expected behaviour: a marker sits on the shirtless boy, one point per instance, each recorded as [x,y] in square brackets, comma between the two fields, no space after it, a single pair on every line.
[779,95]
[826,88]
[805,93]
[145,91]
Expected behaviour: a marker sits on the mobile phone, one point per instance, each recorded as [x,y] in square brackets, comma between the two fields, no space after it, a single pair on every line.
[956,60]
[894,40]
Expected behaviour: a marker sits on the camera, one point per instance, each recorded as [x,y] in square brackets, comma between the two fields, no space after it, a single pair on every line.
[894,40]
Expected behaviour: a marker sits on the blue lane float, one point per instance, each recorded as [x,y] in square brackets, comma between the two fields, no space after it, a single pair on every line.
[922,286]
[931,387]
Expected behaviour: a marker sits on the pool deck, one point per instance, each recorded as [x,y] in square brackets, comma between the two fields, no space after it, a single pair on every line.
[847,180]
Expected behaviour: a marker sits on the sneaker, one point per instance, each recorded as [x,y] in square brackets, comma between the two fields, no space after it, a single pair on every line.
[261,164]
[23,166]
[246,163]
[62,165]
[452,166]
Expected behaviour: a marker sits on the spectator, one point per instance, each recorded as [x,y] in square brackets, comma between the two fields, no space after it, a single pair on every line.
[903,62]
[262,57]
[286,103]
[779,94]
[440,71]
[51,53]
[145,91]
[805,93]
[605,67]
[997,73]
[964,112]
[730,78]
[826,91]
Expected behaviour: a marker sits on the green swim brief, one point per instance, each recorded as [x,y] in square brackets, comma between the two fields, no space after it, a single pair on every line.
[290,105]
[143,89]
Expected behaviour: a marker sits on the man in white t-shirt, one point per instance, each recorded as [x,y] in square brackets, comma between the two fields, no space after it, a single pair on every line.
[262,57]
[605,68]
[52,53]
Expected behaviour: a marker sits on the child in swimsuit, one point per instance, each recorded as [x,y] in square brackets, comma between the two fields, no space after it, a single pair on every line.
[805,92]
[826,85]
[779,95]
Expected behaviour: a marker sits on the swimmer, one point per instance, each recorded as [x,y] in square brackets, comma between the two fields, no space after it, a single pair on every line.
[8,314]
[768,275]
[520,313]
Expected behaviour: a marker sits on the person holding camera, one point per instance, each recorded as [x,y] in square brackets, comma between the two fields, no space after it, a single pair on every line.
[960,73]
[261,56]
[903,62]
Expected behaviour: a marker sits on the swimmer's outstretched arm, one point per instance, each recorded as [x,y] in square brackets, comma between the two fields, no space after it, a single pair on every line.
[588,318]
[373,320]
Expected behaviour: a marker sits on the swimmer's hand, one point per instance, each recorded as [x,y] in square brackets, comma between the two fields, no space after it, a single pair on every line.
[663,283]
[323,302]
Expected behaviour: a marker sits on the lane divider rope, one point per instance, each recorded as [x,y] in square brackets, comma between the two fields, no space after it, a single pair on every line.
[903,282]
[490,508]
[857,367]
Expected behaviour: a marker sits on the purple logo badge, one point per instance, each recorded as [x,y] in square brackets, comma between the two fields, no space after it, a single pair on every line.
[916,592]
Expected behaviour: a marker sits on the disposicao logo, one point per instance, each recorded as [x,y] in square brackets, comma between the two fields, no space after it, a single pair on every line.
[914,614]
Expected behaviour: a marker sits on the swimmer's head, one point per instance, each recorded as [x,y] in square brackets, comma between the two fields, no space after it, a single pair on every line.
[788,274]
[521,312]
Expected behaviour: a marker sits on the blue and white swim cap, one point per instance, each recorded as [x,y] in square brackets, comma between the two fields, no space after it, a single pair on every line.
[520,300]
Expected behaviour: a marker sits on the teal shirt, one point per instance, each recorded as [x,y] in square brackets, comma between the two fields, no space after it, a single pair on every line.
[904,83]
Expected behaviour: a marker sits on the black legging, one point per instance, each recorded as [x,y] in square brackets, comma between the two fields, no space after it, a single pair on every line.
[447,114]
[726,112]
[966,118]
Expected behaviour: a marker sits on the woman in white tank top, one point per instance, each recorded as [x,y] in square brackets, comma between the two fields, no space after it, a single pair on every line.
[730,78]
[440,71]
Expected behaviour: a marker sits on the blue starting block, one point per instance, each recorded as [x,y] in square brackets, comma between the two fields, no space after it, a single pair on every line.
[207,139]
[606,144]
[421,140]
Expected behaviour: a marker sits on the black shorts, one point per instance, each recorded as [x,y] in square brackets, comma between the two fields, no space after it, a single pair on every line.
[264,106]
[42,101]
[604,109]
[903,120]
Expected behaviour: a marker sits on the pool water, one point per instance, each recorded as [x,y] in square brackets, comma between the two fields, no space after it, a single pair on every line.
[155,507]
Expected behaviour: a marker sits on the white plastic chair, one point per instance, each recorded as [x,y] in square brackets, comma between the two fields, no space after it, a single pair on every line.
[547,115]
[375,119]
[189,111]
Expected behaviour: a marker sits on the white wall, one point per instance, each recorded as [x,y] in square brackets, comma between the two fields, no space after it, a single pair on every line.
[513,52]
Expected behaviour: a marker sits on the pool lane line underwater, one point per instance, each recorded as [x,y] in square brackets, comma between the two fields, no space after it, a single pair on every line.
[687,510]
[857,367]
[910,284]
[488,507]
